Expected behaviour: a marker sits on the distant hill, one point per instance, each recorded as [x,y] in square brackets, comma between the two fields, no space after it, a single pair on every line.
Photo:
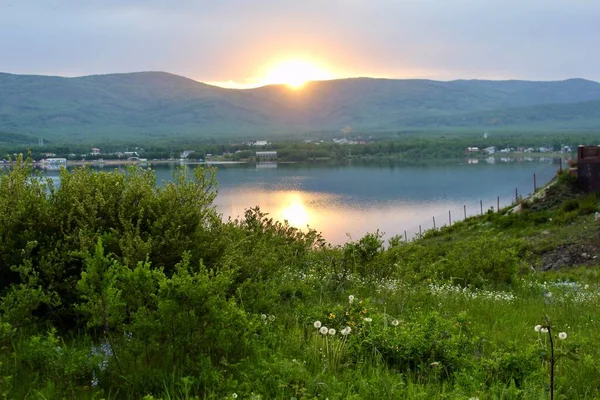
[158,104]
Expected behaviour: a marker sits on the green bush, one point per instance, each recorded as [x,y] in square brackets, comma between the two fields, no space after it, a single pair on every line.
[569,205]
[486,260]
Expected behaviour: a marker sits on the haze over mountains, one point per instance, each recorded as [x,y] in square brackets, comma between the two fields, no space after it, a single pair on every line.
[158,104]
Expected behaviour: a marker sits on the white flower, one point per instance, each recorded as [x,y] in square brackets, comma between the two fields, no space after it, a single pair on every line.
[324,330]
[537,328]
[544,330]
[562,335]
[346,331]
[351,299]
[332,331]
[395,322]
[368,319]
[317,324]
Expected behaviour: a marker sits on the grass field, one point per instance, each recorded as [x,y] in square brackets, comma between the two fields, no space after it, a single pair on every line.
[130,302]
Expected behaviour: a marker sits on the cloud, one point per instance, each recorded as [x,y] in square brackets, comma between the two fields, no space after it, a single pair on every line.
[233,39]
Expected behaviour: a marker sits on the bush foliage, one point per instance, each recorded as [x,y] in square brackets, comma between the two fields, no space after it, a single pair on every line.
[114,285]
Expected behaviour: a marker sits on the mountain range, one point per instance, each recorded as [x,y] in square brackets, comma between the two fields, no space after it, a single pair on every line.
[159,104]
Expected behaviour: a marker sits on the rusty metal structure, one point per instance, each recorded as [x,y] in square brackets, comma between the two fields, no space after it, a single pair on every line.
[588,168]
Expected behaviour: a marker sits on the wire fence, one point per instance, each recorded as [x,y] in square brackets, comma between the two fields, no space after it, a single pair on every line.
[523,189]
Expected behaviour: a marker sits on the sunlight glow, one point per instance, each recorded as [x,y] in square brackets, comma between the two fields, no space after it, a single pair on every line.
[295,213]
[295,73]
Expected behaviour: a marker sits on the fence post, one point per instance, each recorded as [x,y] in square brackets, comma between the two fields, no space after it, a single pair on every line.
[481,206]
[420,233]
[434,223]
[516,196]
[534,184]
[405,237]
[449,218]
[465,207]
[498,204]
[560,164]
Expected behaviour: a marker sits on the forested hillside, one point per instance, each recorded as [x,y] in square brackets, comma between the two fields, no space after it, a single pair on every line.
[157,104]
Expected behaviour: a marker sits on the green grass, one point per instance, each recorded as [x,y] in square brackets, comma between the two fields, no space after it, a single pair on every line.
[450,316]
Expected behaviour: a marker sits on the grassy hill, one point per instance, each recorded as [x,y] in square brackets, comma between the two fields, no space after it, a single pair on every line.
[158,104]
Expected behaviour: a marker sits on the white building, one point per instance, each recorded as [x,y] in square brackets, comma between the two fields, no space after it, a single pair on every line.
[54,161]
[266,155]
[186,153]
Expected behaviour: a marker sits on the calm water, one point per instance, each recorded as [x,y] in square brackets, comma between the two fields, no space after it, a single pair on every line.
[349,200]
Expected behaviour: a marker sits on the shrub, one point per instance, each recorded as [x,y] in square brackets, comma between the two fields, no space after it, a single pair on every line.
[569,205]
[486,260]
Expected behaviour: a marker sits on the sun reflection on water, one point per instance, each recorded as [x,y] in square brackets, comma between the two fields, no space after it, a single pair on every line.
[294,211]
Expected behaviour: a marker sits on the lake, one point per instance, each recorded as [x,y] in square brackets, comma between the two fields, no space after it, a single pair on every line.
[346,201]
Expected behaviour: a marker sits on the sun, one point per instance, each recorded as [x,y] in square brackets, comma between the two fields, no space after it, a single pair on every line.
[296,73]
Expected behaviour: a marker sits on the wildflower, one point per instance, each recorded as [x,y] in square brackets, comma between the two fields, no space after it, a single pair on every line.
[332,331]
[562,335]
[324,330]
[331,316]
[538,328]
[544,330]
[368,319]
[94,382]
[395,322]
[317,324]
[351,299]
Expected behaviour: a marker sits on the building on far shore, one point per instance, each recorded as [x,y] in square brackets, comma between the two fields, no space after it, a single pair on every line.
[96,151]
[265,156]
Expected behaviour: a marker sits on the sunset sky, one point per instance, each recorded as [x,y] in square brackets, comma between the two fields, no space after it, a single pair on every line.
[241,43]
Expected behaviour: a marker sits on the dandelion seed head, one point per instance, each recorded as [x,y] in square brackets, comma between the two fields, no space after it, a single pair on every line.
[317,324]
[351,299]
[544,330]
[368,319]
[324,330]
[537,328]
[271,318]
[332,331]
[562,335]
[263,316]
[395,322]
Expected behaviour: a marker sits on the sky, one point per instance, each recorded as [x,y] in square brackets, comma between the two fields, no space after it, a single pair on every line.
[240,43]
